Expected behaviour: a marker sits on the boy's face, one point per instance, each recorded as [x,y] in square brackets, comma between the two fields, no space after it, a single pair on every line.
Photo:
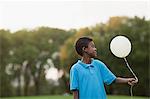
[91,50]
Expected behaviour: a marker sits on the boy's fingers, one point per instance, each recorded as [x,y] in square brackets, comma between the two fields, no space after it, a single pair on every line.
[132,79]
[130,83]
[135,81]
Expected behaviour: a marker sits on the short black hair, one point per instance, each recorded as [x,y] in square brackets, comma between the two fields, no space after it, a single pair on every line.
[82,42]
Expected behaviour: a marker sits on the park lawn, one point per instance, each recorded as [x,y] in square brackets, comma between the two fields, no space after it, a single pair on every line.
[70,97]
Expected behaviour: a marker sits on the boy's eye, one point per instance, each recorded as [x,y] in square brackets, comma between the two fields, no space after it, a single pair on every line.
[93,46]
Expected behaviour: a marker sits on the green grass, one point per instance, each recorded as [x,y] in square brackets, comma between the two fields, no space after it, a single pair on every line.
[70,97]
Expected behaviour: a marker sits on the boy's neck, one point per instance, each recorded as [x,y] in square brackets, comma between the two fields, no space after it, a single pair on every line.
[86,60]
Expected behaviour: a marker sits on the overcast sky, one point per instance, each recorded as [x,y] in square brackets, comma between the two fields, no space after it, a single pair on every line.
[15,15]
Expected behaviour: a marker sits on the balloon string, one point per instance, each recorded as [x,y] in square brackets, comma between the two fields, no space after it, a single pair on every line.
[131,88]
[131,91]
[130,69]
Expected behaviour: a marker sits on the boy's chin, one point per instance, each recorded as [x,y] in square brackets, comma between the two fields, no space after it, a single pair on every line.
[94,56]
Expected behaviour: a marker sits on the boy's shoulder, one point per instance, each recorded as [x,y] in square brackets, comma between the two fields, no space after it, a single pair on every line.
[75,65]
[98,61]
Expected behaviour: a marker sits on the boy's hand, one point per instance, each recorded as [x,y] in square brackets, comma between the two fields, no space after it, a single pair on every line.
[132,81]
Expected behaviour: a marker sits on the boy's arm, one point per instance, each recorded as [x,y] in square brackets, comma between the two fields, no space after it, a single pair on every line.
[76,94]
[130,81]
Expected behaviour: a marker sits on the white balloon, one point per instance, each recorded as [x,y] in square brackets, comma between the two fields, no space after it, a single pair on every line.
[120,46]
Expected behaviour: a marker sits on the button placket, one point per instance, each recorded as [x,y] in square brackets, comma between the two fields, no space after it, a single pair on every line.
[91,69]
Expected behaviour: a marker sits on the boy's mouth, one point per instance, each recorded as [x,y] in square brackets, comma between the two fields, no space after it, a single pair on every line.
[95,52]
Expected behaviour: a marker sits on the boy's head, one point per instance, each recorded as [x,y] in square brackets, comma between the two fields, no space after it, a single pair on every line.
[85,45]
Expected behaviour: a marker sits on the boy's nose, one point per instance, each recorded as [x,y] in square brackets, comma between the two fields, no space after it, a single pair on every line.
[95,49]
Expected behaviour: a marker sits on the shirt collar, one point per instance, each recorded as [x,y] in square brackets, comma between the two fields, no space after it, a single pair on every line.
[86,65]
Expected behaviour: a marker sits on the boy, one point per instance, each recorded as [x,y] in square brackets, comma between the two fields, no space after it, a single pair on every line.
[88,75]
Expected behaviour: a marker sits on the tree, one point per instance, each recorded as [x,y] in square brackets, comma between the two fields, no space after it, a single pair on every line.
[5,43]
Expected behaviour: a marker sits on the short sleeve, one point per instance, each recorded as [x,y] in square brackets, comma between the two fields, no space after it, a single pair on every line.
[73,79]
[107,75]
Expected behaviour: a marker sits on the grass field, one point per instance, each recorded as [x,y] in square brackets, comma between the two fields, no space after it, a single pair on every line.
[70,97]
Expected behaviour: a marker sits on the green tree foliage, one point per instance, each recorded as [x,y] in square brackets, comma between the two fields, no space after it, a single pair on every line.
[24,53]
[5,44]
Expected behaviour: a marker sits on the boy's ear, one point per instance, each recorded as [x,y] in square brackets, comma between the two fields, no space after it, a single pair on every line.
[83,49]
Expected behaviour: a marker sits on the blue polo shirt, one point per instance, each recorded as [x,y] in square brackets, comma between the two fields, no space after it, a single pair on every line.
[89,79]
